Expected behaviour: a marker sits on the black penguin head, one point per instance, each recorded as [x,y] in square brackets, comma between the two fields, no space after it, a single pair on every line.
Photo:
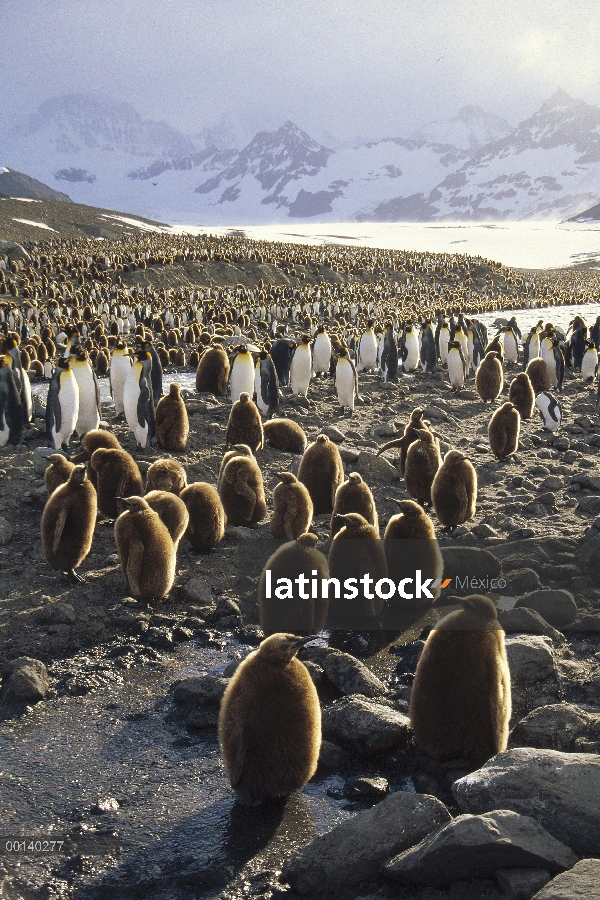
[142,354]
[279,649]
[64,362]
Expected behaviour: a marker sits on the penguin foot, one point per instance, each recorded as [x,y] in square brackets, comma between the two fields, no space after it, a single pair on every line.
[74,578]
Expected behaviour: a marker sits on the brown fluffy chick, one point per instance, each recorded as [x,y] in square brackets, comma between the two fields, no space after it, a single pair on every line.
[270,723]
[68,523]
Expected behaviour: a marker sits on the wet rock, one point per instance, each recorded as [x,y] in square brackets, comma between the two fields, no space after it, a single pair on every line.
[521,884]
[579,883]
[557,607]
[375,468]
[357,849]
[521,581]
[589,505]
[561,791]
[365,725]
[476,846]
[226,613]
[106,805]
[368,789]
[349,454]
[161,638]
[471,563]
[332,758]
[334,434]
[530,658]
[57,614]
[387,429]
[241,533]
[348,674]
[25,680]
[551,483]
[483,530]
[6,532]
[197,590]
[521,620]
[588,554]
[40,458]
[181,633]
[231,668]
[586,623]
[556,727]
[434,412]
[200,691]
[316,672]
[592,482]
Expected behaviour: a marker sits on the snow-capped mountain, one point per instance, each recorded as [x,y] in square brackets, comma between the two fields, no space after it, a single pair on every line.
[471,129]
[77,122]
[548,167]
[471,166]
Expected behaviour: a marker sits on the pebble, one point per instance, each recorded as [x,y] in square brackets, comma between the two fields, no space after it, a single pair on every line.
[6,532]
[25,680]
[530,658]
[557,607]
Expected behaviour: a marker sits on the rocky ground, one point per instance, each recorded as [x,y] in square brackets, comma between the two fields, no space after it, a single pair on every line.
[123,682]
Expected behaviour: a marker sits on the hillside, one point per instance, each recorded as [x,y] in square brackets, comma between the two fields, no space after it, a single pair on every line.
[16,184]
[41,220]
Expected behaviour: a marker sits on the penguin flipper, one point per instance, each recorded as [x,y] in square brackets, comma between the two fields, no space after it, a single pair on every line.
[97,390]
[59,526]
[288,519]
[236,757]
[135,561]
[397,442]
[244,490]
[142,404]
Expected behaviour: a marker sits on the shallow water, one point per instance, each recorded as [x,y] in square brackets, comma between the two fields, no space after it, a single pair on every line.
[176,821]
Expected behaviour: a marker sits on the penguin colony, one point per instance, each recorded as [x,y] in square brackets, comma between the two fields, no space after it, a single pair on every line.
[253,343]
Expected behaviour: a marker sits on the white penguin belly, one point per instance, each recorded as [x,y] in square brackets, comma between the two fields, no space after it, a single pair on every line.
[548,358]
[412,352]
[88,418]
[456,371]
[589,364]
[131,395]
[367,352]
[68,398]
[511,351]
[534,347]
[444,338]
[242,377]
[322,354]
[119,369]
[345,384]
[300,370]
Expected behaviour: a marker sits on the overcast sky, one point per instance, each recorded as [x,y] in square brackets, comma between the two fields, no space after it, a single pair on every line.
[366,68]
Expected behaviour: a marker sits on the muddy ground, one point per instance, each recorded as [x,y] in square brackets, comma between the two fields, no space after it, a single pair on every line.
[108,752]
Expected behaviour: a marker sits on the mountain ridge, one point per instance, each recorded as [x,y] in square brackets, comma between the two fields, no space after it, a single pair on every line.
[548,166]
